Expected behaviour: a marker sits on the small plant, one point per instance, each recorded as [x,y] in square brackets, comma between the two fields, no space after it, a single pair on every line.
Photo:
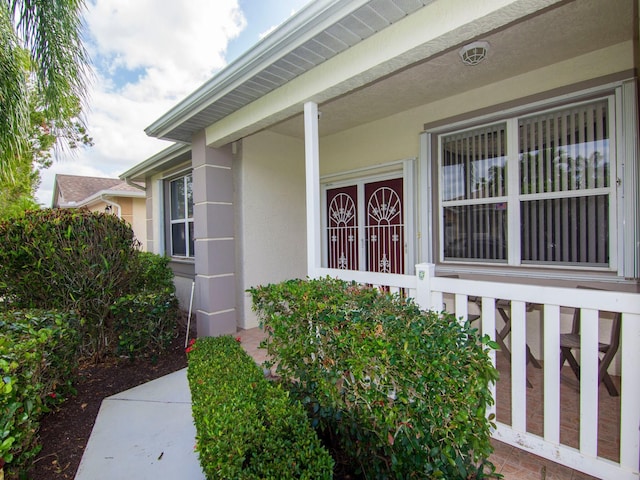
[248,428]
[37,361]
[402,392]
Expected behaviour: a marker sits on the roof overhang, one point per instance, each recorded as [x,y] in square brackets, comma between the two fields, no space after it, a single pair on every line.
[385,59]
[168,158]
[318,32]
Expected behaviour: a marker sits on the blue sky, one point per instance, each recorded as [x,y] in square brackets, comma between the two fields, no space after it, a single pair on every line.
[148,55]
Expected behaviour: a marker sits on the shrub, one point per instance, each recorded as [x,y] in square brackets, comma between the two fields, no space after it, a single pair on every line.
[152,273]
[248,428]
[37,360]
[403,392]
[145,322]
[69,260]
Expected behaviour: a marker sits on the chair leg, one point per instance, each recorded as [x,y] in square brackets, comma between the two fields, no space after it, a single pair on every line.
[532,359]
[566,353]
[603,376]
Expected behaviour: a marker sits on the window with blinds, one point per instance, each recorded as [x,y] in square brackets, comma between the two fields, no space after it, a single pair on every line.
[558,204]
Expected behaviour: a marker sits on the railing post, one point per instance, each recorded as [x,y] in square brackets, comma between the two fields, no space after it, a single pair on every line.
[424,273]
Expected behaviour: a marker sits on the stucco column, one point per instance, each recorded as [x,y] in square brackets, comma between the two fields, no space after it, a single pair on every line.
[213,220]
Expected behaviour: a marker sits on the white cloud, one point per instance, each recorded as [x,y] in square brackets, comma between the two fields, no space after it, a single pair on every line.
[149,54]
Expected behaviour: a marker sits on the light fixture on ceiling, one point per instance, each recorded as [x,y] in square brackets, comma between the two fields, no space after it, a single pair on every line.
[474,53]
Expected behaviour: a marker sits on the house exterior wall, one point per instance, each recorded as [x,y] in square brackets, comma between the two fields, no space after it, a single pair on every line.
[270,215]
[133,211]
[269,167]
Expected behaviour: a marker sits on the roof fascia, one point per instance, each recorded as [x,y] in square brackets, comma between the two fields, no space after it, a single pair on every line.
[311,20]
[155,162]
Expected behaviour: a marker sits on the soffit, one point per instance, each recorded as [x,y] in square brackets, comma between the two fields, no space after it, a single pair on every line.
[571,29]
[368,19]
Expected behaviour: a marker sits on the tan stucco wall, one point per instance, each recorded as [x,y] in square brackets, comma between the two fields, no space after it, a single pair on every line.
[270,215]
[132,211]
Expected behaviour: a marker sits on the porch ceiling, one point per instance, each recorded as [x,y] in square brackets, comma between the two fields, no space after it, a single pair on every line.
[573,28]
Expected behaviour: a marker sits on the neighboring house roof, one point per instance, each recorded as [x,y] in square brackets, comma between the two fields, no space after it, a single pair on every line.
[78,191]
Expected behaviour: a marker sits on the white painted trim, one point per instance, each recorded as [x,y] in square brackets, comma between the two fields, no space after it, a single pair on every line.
[630,391]
[208,165]
[629,195]
[409,203]
[349,175]
[221,275]
[312,176]
[177,173]
[527,109]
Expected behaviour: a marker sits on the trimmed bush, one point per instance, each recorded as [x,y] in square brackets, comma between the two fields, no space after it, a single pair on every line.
[37,361]
[145,322]
[71,260]
[152,273]
[248,428]
[403,392]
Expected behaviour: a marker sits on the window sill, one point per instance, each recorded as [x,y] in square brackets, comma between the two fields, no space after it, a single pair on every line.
[539,276]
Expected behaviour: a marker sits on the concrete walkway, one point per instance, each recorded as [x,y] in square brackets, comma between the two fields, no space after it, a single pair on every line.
[144,433]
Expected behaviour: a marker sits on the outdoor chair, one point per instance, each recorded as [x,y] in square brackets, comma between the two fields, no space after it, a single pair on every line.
[571,341]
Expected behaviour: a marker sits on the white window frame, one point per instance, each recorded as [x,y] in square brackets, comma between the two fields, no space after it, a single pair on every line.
[187,221]
[622,219]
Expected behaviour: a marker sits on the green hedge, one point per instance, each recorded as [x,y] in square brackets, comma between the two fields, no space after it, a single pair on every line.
[145,322]
[248,428]
[63,259]
[88,262]
[403,392]
[152,273]
[37,360]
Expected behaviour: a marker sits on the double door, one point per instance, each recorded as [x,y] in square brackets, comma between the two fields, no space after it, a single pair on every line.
[365,226]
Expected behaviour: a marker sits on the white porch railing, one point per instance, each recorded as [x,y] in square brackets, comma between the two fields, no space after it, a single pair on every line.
[430,291]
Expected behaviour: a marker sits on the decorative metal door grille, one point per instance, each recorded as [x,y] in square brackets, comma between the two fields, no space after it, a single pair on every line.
[384,230]
[342,231]
[380,225]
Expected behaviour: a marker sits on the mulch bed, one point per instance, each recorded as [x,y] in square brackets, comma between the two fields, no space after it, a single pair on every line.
[65,432]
